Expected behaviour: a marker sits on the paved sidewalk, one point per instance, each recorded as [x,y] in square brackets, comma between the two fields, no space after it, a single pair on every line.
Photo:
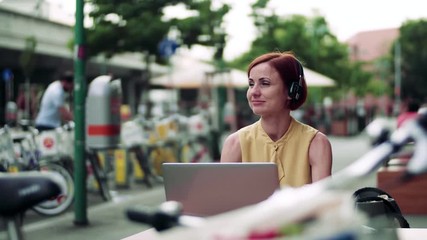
[106,220]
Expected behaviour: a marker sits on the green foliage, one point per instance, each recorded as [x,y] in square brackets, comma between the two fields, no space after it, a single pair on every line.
[414,59]
[310,39]
[378,88]
[140,25]
[27,58]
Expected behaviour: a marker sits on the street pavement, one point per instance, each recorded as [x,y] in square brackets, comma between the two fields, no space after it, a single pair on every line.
[107,220]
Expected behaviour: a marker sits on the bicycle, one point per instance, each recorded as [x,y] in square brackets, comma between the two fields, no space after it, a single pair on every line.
[58,146]
[22,191]
[328,197]
[152,145]
[26,157]
[178,139]
[171,139]
[195,149]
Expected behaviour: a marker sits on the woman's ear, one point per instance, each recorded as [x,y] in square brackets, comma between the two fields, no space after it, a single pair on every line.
[288,101]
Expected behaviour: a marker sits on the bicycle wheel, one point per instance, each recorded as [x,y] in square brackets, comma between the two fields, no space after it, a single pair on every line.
[62,202]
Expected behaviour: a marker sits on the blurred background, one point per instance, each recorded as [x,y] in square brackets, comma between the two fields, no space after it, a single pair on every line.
[374,63]
[183,80]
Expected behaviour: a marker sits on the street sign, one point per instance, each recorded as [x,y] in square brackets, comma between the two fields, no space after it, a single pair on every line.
[167,47]
[7,75]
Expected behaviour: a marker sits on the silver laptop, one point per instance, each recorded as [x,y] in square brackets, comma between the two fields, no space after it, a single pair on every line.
[206,189]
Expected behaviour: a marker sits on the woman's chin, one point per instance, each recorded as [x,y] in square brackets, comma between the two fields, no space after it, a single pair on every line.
[257,112]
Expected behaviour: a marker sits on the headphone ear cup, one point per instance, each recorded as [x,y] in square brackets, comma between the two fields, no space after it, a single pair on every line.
[296,87]
[294,91]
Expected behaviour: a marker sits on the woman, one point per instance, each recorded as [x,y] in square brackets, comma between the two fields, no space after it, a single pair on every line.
[276,87]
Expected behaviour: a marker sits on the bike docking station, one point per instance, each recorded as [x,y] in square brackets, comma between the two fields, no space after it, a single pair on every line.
[133,139]
[146,145]
[103,126]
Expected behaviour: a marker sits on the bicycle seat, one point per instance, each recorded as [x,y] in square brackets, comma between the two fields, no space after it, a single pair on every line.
[23,190]
[25,124]
[18,137]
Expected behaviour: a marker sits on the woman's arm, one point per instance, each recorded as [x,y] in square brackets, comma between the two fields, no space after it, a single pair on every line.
[320,157]
[231,149]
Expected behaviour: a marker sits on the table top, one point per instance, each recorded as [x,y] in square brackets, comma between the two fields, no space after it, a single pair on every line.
[403,234]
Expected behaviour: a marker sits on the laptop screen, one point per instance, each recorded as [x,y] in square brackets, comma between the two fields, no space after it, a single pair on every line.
[206,189]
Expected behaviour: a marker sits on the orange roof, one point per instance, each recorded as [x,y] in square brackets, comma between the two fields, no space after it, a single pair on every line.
[369,45]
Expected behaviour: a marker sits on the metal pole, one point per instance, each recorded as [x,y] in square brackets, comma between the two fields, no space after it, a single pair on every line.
[80,199]
[27,98]
[397,77]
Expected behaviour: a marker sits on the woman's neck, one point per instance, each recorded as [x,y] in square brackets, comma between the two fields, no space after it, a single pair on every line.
[276,126]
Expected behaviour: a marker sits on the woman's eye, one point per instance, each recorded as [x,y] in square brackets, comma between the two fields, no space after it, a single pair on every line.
[265,83]
[251,84]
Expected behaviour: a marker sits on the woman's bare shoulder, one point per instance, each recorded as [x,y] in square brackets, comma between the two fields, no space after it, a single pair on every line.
[321,139]
[231,149]
[233,138]
[320,155]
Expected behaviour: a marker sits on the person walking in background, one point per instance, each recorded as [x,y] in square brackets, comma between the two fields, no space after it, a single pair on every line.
[21,101]
[410,112]
[276,87]
[53,108]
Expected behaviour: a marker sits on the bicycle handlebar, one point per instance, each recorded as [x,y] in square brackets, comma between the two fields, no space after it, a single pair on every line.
[165,217]
[415,130]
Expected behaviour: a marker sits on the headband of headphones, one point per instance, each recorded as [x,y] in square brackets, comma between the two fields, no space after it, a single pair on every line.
[300,73]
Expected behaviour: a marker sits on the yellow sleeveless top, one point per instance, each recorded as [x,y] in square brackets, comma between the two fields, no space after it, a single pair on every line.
[290,152]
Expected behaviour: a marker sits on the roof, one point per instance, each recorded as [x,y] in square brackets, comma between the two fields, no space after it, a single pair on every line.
[370,45]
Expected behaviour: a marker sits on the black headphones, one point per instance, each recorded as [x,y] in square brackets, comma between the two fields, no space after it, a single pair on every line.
[295,91]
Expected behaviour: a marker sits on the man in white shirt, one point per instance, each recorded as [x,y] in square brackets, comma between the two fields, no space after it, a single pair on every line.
[53,108]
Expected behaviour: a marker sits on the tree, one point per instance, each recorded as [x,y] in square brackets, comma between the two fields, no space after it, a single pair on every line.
[312,42]
[140,25]
[414,59]
[27,58]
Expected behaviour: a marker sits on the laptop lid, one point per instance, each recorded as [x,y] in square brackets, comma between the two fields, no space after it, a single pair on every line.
[206,189]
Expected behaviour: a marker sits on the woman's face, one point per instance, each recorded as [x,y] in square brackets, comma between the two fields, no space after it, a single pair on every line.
[266,93]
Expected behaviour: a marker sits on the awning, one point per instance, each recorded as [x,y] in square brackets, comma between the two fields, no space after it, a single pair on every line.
[188,72]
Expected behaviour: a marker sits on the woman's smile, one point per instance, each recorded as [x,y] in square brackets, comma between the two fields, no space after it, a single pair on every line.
[257,103]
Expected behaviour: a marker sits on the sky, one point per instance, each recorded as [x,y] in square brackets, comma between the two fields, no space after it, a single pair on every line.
[345,17]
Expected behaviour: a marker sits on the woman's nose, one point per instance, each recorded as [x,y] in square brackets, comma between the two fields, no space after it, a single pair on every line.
[255,90]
